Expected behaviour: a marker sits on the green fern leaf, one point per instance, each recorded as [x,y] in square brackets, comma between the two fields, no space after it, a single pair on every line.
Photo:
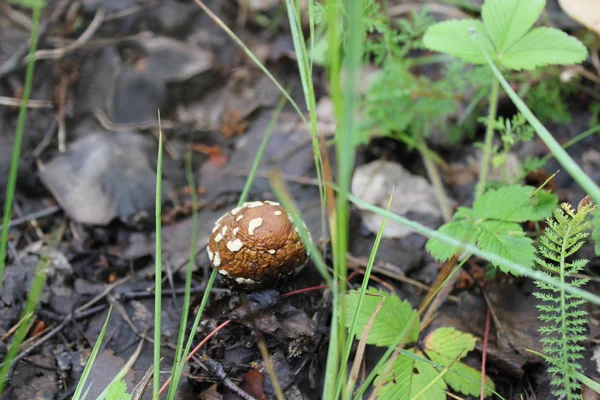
[562,314]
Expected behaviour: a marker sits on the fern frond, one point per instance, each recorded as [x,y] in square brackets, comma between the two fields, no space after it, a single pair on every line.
[562,313]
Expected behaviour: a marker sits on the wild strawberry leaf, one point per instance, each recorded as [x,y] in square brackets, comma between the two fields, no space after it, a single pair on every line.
[544,46]
[453,37]
[507,240]
[506,21]
[463,230]
[445,347]
[392,318]
[409,377]
[513,203]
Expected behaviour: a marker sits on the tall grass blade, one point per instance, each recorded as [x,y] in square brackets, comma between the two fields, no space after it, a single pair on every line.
[158,265]
[16,152]
[560,154]
[304,67]
[363,290]
[469,248]
[90,362]
[33,297]
[179,353]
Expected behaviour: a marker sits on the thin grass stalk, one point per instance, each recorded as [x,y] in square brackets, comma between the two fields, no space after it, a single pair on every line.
[251,55]
[179,354]
[489,140]
[33,297]
[158,266]
[363,290]
[586,183]
[514,268]
[345,141]
[304,67]
[16,152]
[334,32]
[90,362]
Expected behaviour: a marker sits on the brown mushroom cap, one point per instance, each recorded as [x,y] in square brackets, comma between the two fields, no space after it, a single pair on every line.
[255,245]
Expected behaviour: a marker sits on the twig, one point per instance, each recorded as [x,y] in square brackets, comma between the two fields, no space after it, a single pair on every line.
[81,40]
[146,294]
[140,388]
[216,369]
[114,127]
[14,60]
[14,102]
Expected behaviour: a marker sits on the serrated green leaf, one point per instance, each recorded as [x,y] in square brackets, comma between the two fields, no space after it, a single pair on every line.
[544,46]
[450,343]
[507,240]
[512,203]
[445,345]
[453,37]
[462,230]
[506,21]
[408,377]
[543,205]
[467,380]
[392,318]
[118,391]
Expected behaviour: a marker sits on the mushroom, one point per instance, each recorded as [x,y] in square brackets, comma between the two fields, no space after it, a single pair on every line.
[256,245]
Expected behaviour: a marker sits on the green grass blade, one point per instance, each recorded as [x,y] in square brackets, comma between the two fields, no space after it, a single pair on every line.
[595,386]
[304,67]
[179,353]
[33,297]
[90,362]
[251,56]
[514,267]
[16,152]
[158,266]
[560,154]
[363,290]
[345,96]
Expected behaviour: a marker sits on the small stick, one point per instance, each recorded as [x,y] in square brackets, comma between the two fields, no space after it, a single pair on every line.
[216,369]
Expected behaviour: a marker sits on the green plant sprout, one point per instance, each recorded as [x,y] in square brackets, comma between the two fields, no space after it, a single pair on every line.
[562,313]
[512,131]
[415,374]
[507,38]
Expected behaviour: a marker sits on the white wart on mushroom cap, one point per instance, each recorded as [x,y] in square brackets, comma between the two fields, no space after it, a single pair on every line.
[256,244]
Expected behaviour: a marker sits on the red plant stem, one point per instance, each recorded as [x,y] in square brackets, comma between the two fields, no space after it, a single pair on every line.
[484,350]
[202,343]
[312,288]
[308,289]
